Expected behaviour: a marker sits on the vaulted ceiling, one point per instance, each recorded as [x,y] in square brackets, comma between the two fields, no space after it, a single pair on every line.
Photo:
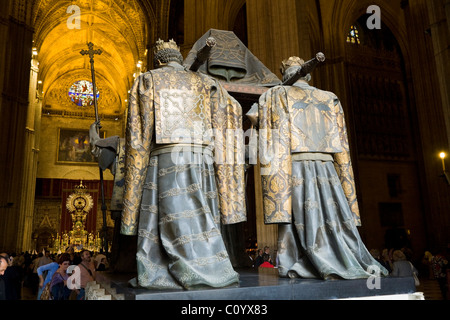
[63,28]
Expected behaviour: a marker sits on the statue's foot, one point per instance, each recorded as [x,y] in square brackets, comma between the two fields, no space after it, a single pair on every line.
[332,277]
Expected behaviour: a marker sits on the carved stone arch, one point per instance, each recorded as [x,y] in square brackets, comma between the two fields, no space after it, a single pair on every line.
[45,232]
[43,238]
[381,117]
[22,10]
[55,14]
[354,10]
[44,23]
[56,95]
[76,173]
[237,19]
[232,9]
[118,27]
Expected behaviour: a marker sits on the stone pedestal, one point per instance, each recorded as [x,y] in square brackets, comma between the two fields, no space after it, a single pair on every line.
[264,284]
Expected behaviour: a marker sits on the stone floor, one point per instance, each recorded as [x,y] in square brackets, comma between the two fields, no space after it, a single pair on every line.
[430,289]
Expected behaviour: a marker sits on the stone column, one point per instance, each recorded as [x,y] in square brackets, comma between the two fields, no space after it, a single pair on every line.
[199,17]
[277,30]
[31,150]
[440,35]
[433,137]
[4,208]
[447,12]
[15,57]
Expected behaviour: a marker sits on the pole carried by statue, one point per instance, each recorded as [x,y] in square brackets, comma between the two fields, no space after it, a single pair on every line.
[308,67]
[91,52]
[203,54]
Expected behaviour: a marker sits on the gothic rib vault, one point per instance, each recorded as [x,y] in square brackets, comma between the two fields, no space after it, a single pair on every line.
[63,29]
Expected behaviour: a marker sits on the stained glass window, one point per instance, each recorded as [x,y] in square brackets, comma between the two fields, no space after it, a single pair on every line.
[353,35]
[81,93]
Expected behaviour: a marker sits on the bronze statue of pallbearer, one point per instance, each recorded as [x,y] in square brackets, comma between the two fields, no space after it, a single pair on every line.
[176,192]
[308,185]
[105,150]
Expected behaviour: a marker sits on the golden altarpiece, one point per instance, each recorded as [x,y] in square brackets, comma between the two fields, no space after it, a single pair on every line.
[79,204]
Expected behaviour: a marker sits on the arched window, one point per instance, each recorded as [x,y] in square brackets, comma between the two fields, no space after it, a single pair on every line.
[82,93]
[353,35]
[382,121]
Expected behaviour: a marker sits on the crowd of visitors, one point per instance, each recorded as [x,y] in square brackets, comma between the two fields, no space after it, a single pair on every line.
[49,276]
[64,276]
[263,259]
[399,263]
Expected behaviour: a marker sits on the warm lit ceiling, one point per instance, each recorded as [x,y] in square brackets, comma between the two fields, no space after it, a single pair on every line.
[117,27]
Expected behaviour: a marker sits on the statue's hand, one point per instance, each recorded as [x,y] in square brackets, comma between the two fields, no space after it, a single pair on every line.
[94,138]
[93,132]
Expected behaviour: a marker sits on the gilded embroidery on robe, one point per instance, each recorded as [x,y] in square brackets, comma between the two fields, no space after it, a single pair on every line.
[274,151]
[298,120]
[179,107]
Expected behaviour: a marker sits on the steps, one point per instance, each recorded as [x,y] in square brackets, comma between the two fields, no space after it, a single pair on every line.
[95,291]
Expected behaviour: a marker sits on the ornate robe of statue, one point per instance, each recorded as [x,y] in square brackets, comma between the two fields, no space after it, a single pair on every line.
[308,185]
[184,176]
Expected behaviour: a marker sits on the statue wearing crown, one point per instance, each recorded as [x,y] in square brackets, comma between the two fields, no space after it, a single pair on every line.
[307,178]
[183,175]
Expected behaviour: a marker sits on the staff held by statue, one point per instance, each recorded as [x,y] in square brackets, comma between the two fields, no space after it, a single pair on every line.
[91,52]
[307,68]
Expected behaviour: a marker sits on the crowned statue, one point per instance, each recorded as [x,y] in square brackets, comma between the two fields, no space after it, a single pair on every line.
[182,175]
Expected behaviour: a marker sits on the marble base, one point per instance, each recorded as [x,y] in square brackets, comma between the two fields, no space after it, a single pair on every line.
[265,284]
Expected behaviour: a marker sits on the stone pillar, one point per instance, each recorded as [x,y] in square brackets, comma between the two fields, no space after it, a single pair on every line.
[4,209]
[199,17]
[433,137]
[447,12]
[31,150]
[277,30]
[440,35]
[15,57]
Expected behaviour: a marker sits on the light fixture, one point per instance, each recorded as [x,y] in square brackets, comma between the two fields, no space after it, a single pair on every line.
[442,155]
[139,64]
[445,174]
[35,52]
